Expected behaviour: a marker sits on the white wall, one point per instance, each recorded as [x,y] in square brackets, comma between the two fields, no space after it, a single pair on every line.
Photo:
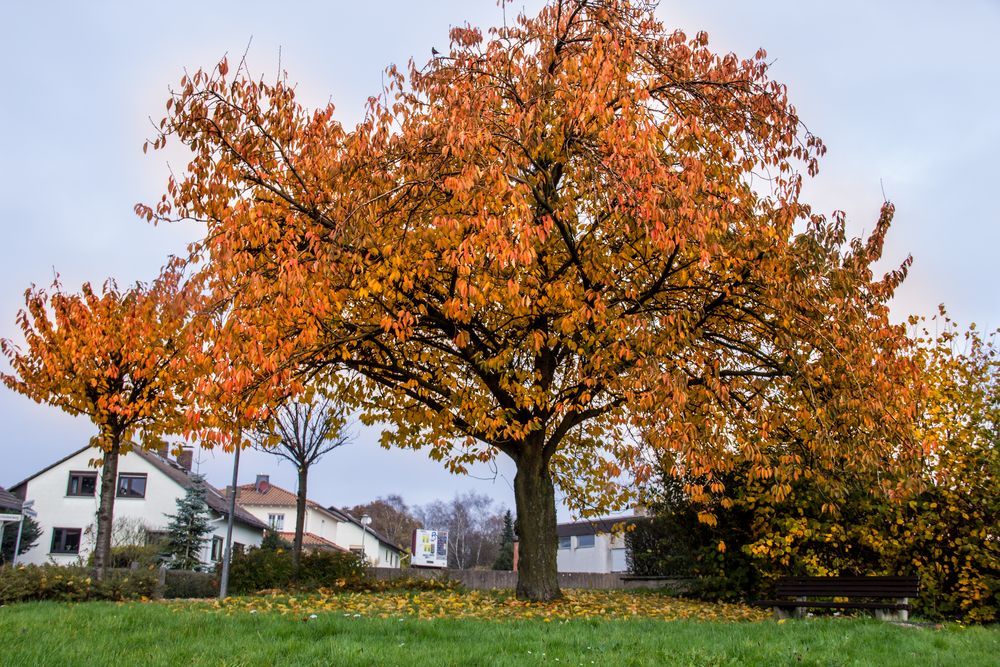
[607,555]
[57,510]
[242,535]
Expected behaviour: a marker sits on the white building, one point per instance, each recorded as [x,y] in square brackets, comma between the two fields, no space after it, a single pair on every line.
[324,527]
[592,546]
[66,497]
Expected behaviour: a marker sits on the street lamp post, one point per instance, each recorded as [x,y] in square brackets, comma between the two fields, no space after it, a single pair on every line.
[365,522]
[227,555]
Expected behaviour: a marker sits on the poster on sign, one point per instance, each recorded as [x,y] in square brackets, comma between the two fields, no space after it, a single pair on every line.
[430,548]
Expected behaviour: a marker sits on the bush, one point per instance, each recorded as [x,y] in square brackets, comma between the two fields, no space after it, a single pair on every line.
[320,568]
[262,569]
[675,543]
[73,584]
[189,584]
[144,555]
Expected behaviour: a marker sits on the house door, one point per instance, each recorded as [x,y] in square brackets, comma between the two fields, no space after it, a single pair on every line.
[618,562]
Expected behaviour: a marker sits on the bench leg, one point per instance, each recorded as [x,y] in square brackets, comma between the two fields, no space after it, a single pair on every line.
[781,613]
[898,615]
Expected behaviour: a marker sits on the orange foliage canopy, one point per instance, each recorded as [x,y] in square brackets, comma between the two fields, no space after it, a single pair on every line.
[111,355]
[577,241]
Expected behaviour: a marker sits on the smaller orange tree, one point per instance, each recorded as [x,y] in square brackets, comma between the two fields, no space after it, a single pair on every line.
[112,356]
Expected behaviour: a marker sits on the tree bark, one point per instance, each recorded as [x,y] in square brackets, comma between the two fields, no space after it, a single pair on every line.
[300,519]
[106,507]
[535,498]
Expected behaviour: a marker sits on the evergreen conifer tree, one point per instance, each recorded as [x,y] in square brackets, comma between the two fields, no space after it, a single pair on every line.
[505,557]
[30,532]
[188,529]
[273,541]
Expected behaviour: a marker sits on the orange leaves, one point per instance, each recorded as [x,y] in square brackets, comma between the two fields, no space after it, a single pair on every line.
[113,356]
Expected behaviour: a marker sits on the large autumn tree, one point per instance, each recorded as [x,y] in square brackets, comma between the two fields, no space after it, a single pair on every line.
[111,355]
[577,241]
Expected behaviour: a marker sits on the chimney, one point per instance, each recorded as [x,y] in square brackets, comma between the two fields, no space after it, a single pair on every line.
[162,450]
[185,458]
[263,483]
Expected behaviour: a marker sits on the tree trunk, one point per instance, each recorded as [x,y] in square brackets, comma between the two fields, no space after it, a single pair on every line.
[535,498]
[106,507]
[300,519]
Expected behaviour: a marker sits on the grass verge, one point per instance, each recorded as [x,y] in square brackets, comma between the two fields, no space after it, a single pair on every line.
[152,634]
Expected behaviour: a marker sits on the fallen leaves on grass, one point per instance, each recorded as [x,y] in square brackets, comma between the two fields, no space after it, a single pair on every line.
[489,605]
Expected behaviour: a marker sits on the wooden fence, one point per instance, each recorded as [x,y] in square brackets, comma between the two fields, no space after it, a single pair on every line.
[504,579]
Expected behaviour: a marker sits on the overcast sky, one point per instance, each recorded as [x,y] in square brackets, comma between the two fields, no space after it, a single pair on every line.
[905,95]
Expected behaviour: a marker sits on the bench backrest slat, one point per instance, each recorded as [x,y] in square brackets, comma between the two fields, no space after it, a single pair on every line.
[890,587]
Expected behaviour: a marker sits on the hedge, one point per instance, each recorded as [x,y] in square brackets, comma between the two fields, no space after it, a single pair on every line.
[22,583]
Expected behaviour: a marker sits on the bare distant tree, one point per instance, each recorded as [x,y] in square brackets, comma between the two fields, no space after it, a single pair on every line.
[302,432]
[391,517]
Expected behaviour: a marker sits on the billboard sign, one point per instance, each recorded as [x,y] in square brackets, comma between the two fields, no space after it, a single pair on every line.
[430,548]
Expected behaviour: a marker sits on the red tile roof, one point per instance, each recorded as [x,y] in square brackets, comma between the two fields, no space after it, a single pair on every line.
[311,541]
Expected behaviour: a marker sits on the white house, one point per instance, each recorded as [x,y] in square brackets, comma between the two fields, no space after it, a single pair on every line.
[66,496]
[592,546]
[324,527]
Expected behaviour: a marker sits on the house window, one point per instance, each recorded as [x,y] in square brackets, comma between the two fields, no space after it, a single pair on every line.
[565,542]
[237,548]
[131,485]
[65,541]
[217,548]
[584,541]
[82,484]
[276,521]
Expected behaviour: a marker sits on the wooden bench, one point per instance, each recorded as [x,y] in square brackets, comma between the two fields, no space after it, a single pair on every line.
[861,593]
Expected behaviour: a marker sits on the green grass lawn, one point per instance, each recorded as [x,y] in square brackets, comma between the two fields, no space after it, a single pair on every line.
[149,634]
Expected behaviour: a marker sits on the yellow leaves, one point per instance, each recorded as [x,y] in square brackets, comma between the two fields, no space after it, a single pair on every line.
[487,605]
